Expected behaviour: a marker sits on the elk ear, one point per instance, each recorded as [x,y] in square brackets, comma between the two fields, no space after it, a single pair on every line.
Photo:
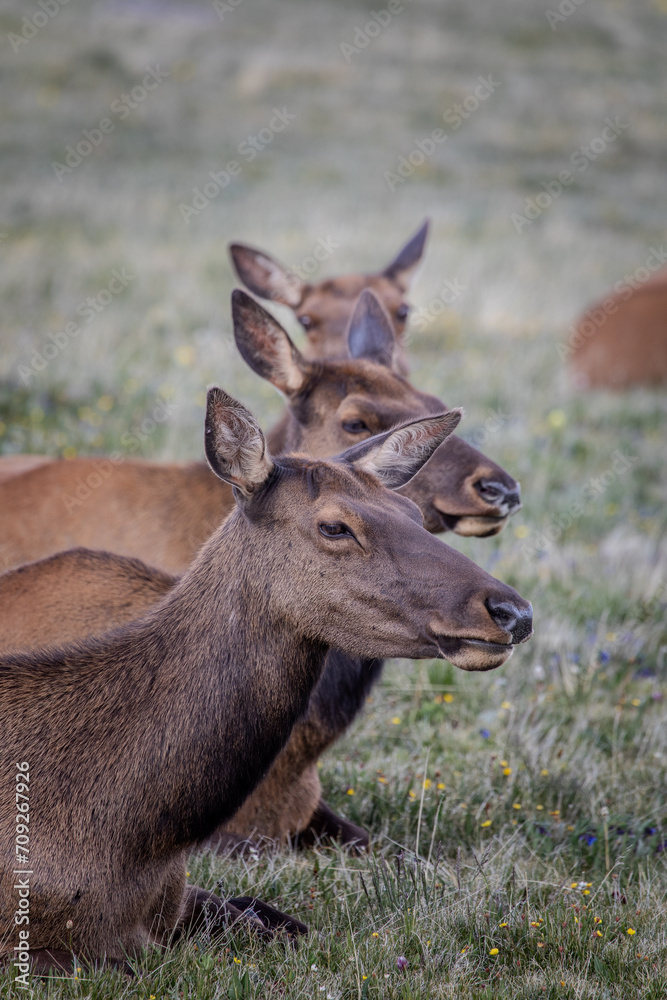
[265,276]
[265,346]
[398,455]
[402,268]
[234,443]
[370,333]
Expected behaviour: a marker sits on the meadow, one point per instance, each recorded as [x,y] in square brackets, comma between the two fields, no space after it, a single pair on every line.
[519,817]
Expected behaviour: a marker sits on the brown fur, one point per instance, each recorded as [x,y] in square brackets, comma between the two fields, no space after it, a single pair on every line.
[74,595]
[141,743]
[628,345]
[162,513]
[15,465]
[325,307]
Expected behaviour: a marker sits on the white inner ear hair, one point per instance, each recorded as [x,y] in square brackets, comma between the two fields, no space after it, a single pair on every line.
[400,451]
[240,444]
[287,370]
[284,282]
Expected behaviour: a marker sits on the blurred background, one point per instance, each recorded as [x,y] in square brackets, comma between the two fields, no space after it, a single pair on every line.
[114,115]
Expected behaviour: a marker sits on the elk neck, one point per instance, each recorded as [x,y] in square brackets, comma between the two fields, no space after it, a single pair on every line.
[192,702]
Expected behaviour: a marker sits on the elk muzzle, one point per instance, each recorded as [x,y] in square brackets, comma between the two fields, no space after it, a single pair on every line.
[506,621]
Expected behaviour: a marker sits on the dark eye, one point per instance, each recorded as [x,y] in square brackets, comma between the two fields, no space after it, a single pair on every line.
[335,529]
[305,321]
[402,311]
[354,426]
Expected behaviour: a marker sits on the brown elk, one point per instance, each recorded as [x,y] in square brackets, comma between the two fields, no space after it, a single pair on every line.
[139,744]
[15,465]
[324,308]
[162,513]
[81,593]
[621,341]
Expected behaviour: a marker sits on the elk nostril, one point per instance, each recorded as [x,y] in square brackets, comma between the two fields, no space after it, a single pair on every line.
[490,490]
[513,499]
[517,621]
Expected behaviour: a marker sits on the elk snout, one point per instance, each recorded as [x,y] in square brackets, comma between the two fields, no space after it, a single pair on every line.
[516,620]
[505,499]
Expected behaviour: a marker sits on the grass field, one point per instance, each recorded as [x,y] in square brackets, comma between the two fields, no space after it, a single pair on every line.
[519,817]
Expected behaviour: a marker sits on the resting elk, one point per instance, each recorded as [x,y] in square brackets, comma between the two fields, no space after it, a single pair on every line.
[162,513]
[81,593]
[621,341]
[139,744]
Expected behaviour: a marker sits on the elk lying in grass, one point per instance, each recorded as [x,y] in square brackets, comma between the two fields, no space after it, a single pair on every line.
[82,593]
[141,743]
[621,341]
[162,513]
[324,308]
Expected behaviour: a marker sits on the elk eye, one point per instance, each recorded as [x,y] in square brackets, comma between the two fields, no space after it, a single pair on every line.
[354,426]
[305,321]
[335,529]
[402,311]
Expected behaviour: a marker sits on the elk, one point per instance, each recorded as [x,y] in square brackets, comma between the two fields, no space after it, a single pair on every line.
[140,743]
[80,593]
[621,341]
[323,309]
[162,513]
[15,465]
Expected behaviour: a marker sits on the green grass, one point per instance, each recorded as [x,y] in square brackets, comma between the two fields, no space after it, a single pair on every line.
[579,714]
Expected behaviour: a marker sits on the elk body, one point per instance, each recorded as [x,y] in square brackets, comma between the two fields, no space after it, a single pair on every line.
[162,513]
[621,341]
[81,593]
[139,744]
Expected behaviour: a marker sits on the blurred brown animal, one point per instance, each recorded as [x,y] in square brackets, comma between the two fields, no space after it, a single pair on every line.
[15,465]
[324,308]
[621,341]
[162,513]
[141,743]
